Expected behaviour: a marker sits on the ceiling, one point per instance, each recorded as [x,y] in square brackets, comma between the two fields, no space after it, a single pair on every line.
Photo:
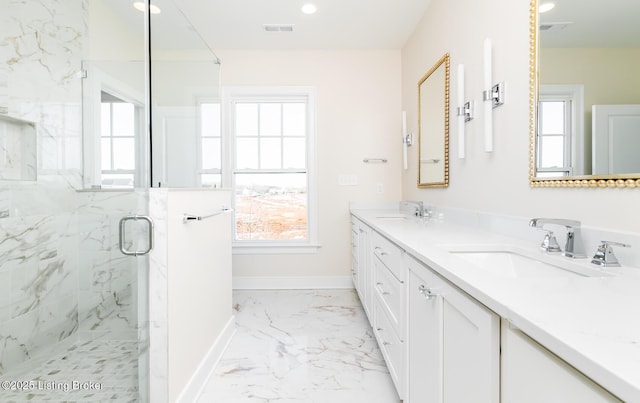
[358,24]
[611,23]
[338,24]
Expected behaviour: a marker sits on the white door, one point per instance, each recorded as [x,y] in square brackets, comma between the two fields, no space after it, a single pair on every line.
[531,374]
[616,139]
[175,147]
[425,338]
[471,350]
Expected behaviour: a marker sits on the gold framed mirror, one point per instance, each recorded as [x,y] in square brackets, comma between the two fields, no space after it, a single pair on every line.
[433,126]
[584,95]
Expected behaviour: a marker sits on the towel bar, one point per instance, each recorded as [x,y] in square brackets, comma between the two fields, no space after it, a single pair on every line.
[191,217]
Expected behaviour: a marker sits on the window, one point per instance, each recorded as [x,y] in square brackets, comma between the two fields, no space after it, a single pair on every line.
[271,167]
[554,137]
[211,144]
[560,138]
[120,122]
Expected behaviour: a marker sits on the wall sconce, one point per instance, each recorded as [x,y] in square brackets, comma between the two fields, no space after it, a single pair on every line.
[407,140]
[493,96]
[465,111]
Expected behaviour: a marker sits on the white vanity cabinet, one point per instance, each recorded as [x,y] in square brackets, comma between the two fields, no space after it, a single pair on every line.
[454,342]
[361,256]
[354,255]
[532,374]
[471,349]
[389,306]
[442,345]
[424,352]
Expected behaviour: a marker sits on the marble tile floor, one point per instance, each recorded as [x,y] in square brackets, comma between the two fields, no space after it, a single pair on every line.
[300,347]
[113,364]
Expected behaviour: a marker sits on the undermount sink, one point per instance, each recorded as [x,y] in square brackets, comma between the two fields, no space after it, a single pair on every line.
[512,262]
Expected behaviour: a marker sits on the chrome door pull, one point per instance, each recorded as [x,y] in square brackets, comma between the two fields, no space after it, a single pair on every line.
[135,217]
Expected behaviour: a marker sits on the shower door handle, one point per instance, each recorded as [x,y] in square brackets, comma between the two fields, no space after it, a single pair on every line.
[136,217]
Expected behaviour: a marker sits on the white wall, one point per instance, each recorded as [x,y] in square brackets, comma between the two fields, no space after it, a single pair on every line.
[609,76]
[190,285]
[358,116]
[496,182]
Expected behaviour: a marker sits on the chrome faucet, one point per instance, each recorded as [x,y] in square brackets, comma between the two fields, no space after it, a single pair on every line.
[605,257]
[573,245]
[419,207]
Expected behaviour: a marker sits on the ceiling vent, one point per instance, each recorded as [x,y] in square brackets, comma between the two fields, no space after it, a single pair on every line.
[553,26]
[278,27]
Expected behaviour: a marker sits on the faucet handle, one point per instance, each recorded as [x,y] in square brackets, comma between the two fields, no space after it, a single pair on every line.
[604,255]
[549,243]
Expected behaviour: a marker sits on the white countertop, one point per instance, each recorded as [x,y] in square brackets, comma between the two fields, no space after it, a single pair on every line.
[593,323]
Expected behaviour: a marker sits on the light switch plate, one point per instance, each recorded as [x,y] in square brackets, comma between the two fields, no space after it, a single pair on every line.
[347,180]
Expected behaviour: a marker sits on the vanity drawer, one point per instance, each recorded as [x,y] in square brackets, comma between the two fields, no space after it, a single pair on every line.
[392,348]
[389,254]
[354,241]
[390,294]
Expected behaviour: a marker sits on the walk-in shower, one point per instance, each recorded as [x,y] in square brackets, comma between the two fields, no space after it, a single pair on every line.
[99,102]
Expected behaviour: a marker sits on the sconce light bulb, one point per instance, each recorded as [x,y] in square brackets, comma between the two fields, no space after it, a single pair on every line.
[309,8]
[544,7]
[140,6]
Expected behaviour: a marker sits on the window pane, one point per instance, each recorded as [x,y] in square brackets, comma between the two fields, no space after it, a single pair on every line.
[553,119]
[105,151]
[210,119]
[556,174]
[294,119]
[295,153]
[270,119]
[246,119]
[271,206]
[211,153]
[123,119]
[247,153]
[117,180]
[270,152]
[105,120]
[211,180]
[124,153]
[551,151]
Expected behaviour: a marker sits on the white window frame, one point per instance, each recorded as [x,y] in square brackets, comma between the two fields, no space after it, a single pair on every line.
[95,82]
[230,95]
[223,157]
[574,93]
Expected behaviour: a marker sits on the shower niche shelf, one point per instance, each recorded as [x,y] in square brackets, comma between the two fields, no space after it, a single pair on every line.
[18,145]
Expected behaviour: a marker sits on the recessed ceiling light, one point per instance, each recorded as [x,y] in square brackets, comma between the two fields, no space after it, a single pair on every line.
[138,5]
[544,7]
[309,8]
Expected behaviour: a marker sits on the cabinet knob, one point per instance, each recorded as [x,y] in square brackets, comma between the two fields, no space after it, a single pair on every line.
[428,294]
[379,285]
[380,251]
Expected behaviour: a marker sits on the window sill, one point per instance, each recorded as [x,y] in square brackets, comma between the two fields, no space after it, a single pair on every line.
[275,249]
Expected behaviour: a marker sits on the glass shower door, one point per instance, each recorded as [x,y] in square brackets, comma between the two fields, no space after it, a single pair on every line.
[185,103]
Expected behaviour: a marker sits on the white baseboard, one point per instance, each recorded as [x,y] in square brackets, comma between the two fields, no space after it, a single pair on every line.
[292,283]
[198,380]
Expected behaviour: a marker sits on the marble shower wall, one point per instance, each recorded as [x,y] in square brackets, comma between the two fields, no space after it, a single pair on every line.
[40,52]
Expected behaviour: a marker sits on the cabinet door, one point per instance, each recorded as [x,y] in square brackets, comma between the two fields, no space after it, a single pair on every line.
[471,350]
[425,338]
[364,267]
[532,374]
[354,256]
